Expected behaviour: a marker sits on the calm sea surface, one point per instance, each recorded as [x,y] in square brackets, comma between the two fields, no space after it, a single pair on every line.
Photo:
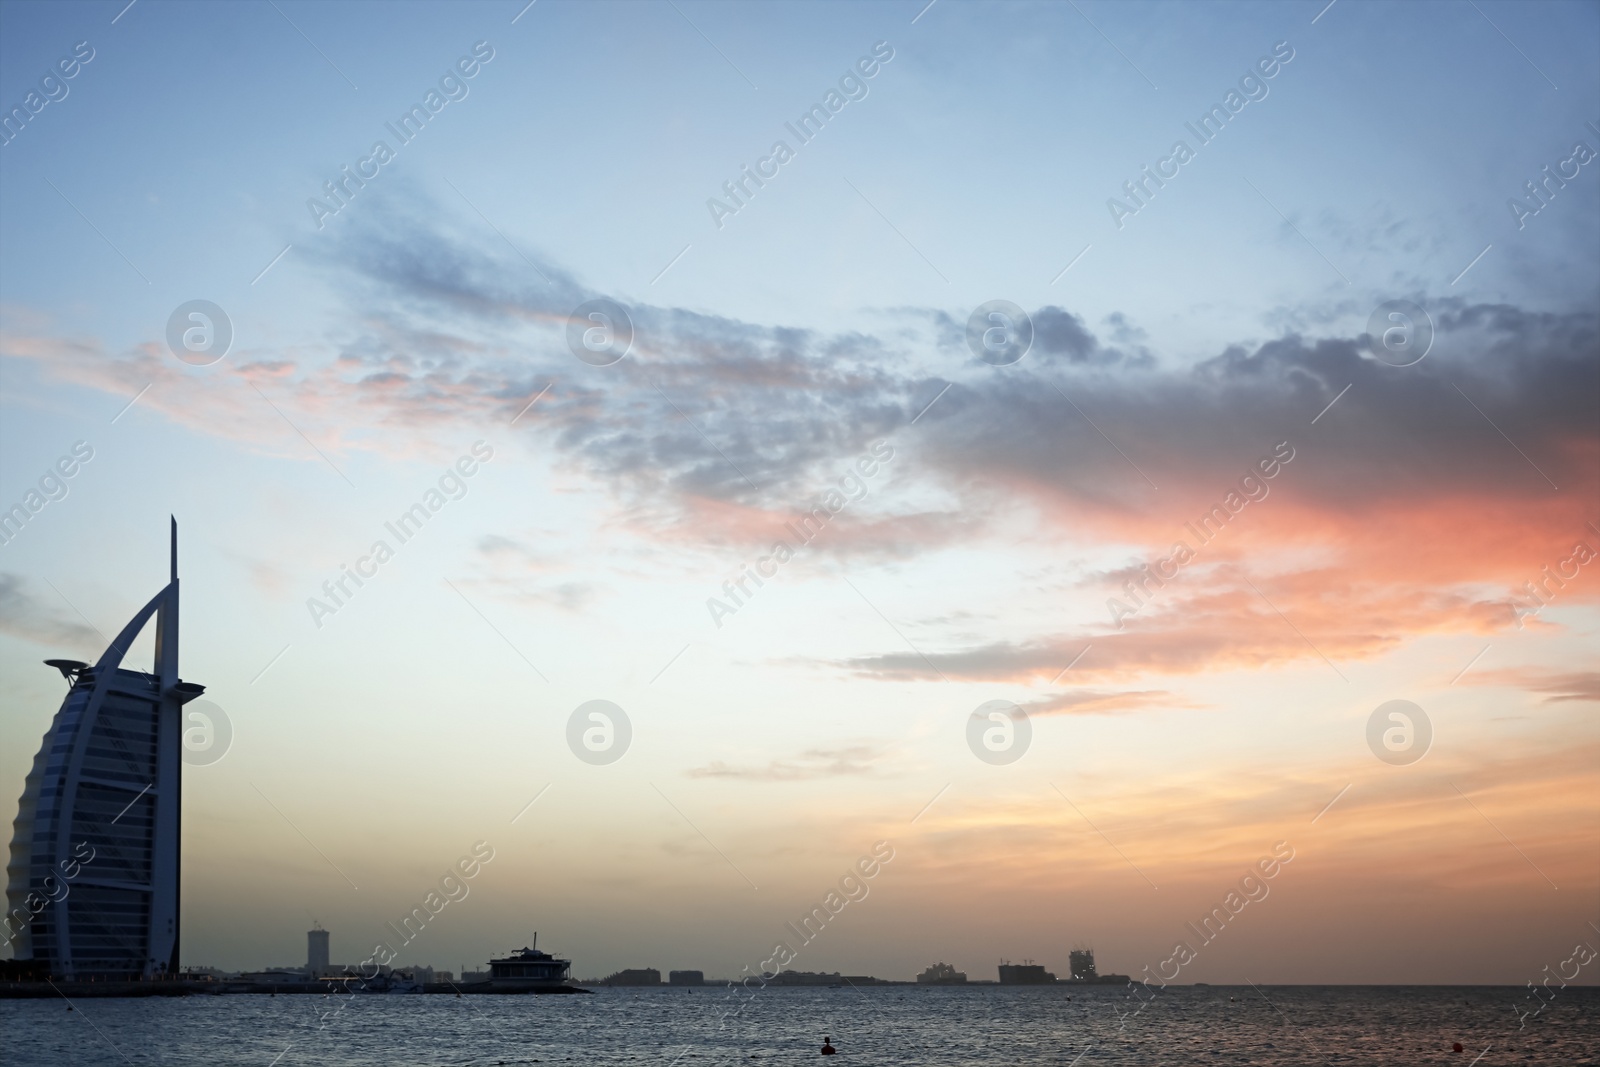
[884,1025]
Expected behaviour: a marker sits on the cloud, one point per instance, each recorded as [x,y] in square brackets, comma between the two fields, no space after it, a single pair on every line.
[520,554]
[267,575]
[24,615]
[847,761]
[1398,439]
[1424,495]
[1411,828]
[752,414]
[1213,622]
[756,414]
[520,572]
[1562,686]
[1103,702]
[1057,332]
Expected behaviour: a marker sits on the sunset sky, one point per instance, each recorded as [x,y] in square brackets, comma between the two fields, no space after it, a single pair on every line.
[1179,344]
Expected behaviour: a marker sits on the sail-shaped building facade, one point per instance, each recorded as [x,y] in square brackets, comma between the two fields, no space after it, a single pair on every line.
[92,882]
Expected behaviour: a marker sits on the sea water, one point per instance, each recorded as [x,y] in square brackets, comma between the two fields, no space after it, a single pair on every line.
[910,1025]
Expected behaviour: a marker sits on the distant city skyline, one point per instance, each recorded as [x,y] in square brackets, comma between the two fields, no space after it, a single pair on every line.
[1091,523]
[318,963]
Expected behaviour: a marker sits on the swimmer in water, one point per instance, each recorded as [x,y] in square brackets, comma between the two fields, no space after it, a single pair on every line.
[827,1046]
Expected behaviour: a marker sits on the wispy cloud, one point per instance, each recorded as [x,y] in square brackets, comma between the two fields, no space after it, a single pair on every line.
[1104,702]
[846,761]
[1560,686]
[33,617]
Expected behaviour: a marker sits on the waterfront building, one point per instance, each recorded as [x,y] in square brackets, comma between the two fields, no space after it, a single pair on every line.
[633,976]
[317,952]
[835,980]
[941,974]
[92,886]
[275,976]
[528,967]
[806,978]
[1026,973]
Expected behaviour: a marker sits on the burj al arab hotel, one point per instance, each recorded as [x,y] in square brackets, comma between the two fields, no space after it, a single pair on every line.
[92,880]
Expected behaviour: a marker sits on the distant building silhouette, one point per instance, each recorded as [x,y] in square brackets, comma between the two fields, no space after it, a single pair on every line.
[100,812]
[941,974]
[821,978]
[530,967]
[687,978]
[279,975]
[1028,973]
[634,976]
[317,952]
[805,978]
[1083,965]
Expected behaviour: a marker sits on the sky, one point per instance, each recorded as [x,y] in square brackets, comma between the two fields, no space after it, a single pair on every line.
[1211,343]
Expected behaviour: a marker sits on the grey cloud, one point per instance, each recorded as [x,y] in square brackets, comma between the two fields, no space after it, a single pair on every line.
[26,616]
[713,407]
[1398,433]
[1057,332]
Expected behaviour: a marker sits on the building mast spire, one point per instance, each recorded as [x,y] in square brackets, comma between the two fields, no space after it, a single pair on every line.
[174,547]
